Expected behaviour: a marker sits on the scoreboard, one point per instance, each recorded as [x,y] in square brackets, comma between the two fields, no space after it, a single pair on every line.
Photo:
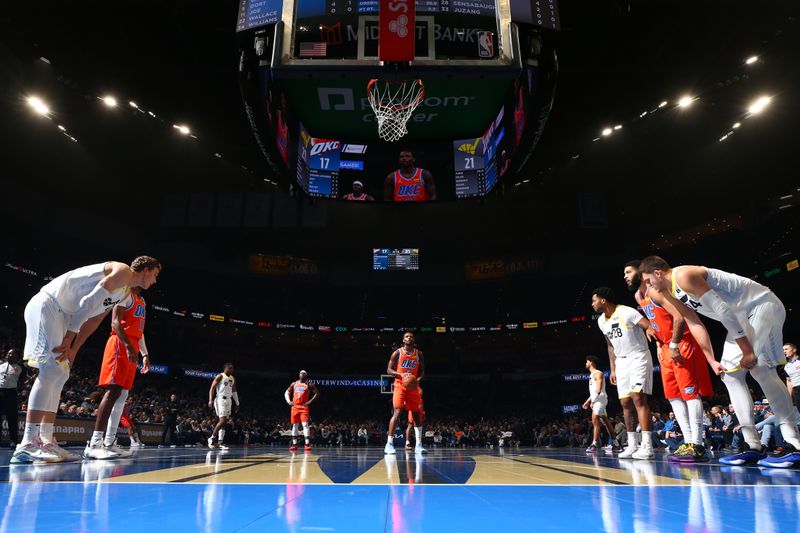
[317,165]
[395,258]
[255,13]
[315,8]
[475,160]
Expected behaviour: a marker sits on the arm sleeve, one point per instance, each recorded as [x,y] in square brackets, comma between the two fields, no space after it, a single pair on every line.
[143,347]
[89,302]
[714,301]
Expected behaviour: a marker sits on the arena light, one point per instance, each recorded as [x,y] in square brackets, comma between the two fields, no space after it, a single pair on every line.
[662,104]
[133,104]
[38,106]
[750,60]
[736,125]
[723,137]
[110,101]
[759,105]
[62,128]
[618,127]
[686,101]
[182,128]
[607,131]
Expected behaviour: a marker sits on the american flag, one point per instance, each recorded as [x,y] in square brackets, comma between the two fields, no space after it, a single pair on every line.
[313,49]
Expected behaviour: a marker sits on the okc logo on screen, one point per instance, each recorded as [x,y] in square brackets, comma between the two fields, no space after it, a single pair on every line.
[320,147]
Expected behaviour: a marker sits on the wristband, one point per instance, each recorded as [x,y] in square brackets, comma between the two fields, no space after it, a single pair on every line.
[674,345]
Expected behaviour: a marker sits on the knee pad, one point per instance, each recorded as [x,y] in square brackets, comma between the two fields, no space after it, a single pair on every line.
[46,390]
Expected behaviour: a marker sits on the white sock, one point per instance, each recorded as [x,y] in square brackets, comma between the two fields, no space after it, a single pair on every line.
[306,432]
[221,436]
[31,432]
[418,435]
[682,416]
[46,432]
[135,438]
[695,408]
[631,439]
[742,402]
[97,438]
[389,439]
[647,441]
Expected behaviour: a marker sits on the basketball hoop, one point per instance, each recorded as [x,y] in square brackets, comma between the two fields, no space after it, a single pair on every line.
[393,104]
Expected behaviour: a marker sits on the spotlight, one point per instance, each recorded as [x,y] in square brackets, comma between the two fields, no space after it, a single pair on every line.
[62,128]
[736,125]
[182,128]
[662,104]
[133,104]
[618,127]
[606,132]
[110,101]
[759,105]
[38,106]
[685,101]
[750,60]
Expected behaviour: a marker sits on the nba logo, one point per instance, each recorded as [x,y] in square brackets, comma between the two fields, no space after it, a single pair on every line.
[485,44]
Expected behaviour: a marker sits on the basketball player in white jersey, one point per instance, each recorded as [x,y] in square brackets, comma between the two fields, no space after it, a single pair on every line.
[597,402]
[631,362]
[58,320]
[754,318]
[225,387]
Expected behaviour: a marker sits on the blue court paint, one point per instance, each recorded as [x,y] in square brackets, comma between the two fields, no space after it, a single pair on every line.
[44,507]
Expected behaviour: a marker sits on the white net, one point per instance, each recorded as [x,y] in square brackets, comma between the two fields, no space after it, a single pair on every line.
[393,104]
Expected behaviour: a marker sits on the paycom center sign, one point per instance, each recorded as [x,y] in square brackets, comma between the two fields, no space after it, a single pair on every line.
[340,109]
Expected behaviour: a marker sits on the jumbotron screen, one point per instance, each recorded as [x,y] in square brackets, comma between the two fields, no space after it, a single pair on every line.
[395,259]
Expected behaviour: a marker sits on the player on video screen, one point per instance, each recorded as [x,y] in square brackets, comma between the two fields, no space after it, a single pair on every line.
[358,194]
[409,183]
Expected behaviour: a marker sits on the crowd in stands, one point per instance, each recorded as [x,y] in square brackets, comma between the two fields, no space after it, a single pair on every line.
[264,421]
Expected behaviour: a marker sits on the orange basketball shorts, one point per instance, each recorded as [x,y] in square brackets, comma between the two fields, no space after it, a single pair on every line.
[410,400]
[116,368]
[299,414]
[687,380]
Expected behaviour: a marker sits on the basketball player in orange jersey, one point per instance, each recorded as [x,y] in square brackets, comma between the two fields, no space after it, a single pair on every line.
[410,425]
[409,183]
[684,347]
[358,194]
[406,360]
[117,372]
[297,395]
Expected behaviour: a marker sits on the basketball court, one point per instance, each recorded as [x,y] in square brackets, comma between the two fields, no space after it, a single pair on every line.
[335,489]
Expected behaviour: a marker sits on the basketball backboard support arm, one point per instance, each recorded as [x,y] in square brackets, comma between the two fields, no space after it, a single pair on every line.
[507,64]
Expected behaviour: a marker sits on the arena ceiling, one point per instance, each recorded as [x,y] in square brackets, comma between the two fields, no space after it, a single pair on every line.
[660,172]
